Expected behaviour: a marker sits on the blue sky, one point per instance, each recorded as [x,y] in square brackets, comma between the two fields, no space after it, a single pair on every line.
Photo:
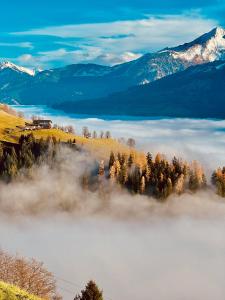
[49,33]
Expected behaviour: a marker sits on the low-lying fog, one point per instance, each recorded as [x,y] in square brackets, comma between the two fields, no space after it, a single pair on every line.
[133,247]
[192,139]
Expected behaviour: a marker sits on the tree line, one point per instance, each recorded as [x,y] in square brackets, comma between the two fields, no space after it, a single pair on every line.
[155,177]
[28,151]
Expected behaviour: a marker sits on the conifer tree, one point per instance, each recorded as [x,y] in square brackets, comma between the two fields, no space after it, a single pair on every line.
[91,292]
[131,159]
[123,176]
[142,185]
[111,159]
[149,159]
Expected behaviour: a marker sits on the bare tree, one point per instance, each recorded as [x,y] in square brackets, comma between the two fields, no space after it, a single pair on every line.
[94,135]
[85,132]
[131,143]
[107,135]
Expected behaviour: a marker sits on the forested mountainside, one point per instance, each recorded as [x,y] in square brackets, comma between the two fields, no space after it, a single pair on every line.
[198,92]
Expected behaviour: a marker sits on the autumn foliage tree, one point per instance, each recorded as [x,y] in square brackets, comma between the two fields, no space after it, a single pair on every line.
[29,275]
[155,176]
[218,179]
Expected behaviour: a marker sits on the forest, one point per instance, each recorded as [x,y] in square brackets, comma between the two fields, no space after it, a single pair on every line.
[152,176]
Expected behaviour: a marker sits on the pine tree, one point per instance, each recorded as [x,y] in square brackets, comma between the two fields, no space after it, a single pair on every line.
[91,292]
[131,159]
[1,152]
[111,159]
[123,176]
[149,159]
[142,185]
[10,165]
[193,181]
[101,168]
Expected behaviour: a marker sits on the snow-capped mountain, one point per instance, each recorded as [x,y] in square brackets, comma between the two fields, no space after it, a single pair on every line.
[9,65]
[208,47]
[150,67]
[87,81]
[198,92]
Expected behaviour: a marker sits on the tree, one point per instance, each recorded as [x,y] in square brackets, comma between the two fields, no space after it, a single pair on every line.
[10,165]
[142,185]
[123,176]
[1,152]
[179,185]
[101,168]
[130,159]
[131,143]
[193,181]
[107,135]
[28,274]
[111,159]
[70,129]
[94,135]
[91,292]
[149,159]
[85,132]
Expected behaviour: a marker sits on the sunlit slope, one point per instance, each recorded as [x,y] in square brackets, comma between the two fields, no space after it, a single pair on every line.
[11,292]
[100,148]
[8,129]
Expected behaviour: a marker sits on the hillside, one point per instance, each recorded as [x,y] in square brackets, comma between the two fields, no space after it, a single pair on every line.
[99,147]
[11,292]
[88,81]
[198,92]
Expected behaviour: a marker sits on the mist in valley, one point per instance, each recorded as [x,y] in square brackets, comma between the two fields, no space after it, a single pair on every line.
[133,246]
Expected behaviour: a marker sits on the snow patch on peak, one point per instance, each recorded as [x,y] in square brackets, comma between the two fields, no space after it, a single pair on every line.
[207,48]
[10,65]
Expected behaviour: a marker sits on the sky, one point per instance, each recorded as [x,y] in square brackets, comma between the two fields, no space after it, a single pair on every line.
[47,34]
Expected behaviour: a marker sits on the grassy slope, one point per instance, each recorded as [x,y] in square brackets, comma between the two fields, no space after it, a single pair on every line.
[11,292]
[8,121]
[100,148]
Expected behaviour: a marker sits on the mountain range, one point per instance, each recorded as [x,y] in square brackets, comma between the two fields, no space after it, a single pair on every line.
[78,87]
[198,92]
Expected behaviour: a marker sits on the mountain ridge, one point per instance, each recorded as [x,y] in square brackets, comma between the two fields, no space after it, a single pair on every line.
[197,92]
[89,81]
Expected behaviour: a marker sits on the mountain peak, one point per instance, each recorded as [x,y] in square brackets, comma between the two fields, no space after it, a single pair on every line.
[208,47]
[9,65]
[218,32]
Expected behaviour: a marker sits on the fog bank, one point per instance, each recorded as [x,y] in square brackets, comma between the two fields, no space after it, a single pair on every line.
[164,259]
[192,139]
[133,246]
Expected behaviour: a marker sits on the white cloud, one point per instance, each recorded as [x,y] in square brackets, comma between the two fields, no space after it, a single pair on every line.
[86,54]
[117,42]
[19,45]
[151,33]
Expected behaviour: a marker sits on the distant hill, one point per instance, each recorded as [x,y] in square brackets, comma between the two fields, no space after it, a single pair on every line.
[198,92]
[88,81]
[11,292]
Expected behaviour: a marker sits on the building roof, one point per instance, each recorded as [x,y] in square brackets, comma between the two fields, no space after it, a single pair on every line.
[42,121]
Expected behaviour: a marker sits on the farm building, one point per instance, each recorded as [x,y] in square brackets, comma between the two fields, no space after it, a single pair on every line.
[46,124]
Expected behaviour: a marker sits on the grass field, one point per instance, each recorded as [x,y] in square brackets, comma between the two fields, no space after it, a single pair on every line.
[100,148]
[11,292]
